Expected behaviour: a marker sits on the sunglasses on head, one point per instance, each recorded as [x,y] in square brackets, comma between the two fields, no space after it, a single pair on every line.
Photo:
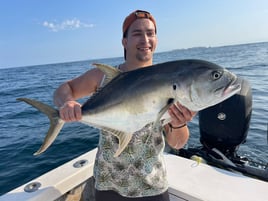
[143,14]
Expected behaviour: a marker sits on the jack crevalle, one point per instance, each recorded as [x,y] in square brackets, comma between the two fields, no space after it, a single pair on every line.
[130,100]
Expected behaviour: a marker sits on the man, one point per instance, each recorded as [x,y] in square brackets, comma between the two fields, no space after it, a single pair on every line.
[139,171]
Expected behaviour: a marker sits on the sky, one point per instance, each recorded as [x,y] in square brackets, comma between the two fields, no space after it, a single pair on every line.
[35,32]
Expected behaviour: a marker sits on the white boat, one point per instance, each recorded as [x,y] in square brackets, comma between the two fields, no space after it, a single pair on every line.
[188,180]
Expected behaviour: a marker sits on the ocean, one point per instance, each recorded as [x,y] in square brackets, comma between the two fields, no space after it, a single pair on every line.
[23,128]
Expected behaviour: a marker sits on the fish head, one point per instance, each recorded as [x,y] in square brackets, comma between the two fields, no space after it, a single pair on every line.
[208,85]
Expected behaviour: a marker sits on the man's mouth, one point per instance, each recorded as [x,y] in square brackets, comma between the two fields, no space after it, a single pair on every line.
[144,48]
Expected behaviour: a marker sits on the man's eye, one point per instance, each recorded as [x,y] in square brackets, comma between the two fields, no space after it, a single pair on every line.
[136,34]
[150,34]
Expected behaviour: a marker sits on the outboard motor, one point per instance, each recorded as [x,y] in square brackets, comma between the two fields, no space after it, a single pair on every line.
[225,125]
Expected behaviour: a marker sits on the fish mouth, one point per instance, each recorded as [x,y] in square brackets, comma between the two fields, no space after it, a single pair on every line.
[233,87]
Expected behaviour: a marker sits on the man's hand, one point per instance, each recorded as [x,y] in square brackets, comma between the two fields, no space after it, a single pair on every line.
[70,111]
[180,115]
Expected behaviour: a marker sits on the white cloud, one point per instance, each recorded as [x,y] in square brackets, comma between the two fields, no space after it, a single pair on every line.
[66,25]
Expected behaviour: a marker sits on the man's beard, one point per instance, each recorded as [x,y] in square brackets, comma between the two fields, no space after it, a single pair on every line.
[143,57]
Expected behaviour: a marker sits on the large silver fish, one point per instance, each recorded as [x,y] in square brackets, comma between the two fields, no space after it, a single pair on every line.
[131,100]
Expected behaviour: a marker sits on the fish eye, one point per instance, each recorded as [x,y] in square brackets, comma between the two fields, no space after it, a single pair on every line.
[216,75]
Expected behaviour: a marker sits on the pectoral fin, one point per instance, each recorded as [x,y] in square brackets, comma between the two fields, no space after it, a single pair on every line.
[157,123]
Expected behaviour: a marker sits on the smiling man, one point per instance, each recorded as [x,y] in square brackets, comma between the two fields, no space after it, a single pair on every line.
[139,172]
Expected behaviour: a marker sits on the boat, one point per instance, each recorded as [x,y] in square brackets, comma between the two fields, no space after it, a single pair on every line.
[188,180]
[212,172]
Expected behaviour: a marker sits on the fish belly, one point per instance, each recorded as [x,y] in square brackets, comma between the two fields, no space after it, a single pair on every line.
[124,121]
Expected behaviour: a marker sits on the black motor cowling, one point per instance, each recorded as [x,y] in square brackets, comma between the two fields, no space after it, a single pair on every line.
[225,125]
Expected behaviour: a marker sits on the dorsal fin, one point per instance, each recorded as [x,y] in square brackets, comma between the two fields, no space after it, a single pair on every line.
[109,71]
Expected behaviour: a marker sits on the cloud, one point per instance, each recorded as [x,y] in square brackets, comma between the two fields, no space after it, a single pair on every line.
[66,25]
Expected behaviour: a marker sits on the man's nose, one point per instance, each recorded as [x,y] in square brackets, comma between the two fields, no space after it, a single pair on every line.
[144,38]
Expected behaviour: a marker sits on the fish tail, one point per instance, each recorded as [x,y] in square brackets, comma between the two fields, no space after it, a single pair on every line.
[56,123]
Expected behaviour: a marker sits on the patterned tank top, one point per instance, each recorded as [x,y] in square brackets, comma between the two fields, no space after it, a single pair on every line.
[138,171]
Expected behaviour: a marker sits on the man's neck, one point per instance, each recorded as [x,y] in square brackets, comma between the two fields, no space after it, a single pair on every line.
[128,66]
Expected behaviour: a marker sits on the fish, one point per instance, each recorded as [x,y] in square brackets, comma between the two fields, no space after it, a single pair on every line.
[128,101]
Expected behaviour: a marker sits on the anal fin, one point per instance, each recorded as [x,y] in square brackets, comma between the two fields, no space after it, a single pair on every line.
[123,138]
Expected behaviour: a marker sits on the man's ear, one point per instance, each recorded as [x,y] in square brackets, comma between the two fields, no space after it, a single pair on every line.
[124,42]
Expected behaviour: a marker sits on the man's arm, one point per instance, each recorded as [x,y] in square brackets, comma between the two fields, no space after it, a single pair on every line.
[66,95]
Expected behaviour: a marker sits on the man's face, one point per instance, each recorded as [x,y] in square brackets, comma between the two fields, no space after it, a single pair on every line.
[141,40]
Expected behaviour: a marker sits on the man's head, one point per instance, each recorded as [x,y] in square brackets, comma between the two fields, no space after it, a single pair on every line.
[139,36]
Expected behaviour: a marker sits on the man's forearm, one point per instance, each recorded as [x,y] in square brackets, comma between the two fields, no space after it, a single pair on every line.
[177,138]
[63,94]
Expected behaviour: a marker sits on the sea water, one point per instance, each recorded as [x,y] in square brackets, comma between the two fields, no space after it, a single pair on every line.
[23,128]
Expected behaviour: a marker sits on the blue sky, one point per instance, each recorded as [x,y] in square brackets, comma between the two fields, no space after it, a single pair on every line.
[37,32]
